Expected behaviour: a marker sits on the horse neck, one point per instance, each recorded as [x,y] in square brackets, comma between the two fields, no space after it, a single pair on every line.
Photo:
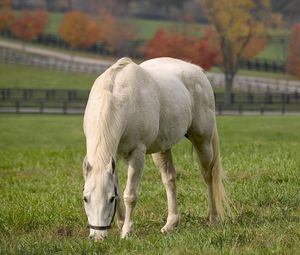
[110,130]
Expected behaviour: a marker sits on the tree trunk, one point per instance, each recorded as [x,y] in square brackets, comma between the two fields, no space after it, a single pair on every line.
[229,78]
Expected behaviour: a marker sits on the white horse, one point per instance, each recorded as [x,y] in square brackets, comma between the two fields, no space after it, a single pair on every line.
[137,109]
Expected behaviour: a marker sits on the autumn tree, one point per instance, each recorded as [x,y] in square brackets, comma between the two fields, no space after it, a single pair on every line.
[29,25]
[294,51]
[79,30]
[115,33]
[183,46]
[7,16]
[238,25]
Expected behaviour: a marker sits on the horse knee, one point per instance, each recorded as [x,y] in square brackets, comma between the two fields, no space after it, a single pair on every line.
[169,179]
[207,175]
[130,200]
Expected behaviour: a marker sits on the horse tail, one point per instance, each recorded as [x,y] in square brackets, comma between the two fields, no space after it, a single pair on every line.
[218,176]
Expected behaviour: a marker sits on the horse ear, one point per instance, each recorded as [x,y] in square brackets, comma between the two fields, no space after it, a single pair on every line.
[86,166]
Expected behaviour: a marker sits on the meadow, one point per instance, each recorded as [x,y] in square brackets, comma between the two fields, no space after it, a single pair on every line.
[37,78]
[41,191]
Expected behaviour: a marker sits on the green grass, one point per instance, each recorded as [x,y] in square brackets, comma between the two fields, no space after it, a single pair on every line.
[41,188]
[21,76]
[147,28]
[55,19]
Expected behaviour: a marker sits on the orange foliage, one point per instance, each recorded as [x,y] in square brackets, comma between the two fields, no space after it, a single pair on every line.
[253,47]
[79,30]
[115,32]
[30,24]
[7,16]
[181,46]
[294,51]
[5,3]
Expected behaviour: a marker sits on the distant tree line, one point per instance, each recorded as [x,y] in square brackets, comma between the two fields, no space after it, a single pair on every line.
[162,9]
[155,9]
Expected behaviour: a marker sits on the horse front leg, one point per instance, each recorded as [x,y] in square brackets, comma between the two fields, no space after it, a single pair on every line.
[120,210]
[135,170]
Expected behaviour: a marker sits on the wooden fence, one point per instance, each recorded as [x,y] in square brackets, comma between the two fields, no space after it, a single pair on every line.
[74,101]
[50,62]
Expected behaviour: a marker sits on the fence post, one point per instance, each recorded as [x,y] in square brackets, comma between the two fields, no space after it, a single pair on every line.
[262,110]
[240,109]
[3,95]
[283,104]
[17,106]
[220,109]
[250,98]
[65,107]
[41,107]
[232,98]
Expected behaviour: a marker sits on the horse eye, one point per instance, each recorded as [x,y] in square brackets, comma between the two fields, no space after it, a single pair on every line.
[85,199]
[111,199]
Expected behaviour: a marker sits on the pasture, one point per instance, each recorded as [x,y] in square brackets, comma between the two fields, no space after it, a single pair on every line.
[41,191]
[38,78]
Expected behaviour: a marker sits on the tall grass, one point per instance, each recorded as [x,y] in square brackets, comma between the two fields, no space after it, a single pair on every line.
[41,191]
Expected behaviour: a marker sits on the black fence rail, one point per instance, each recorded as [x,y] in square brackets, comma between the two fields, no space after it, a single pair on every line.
[265,65]
[67,101]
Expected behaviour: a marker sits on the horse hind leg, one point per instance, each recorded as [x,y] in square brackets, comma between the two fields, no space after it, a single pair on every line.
[207,149]
[164,162]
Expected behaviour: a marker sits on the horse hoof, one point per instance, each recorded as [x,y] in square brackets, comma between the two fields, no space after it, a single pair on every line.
[212,220]
[125,235]
[168,228]
[127,230]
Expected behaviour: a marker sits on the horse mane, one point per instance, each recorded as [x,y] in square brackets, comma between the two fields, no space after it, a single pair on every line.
[108,115]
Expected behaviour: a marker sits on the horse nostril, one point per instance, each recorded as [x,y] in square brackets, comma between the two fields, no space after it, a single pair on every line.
[85,199]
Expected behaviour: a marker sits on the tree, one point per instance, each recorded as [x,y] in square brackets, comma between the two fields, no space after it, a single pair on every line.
[79,30]
[183,46]
[294,51]
[7,16]
[237,24]
[29,25]
[115,33]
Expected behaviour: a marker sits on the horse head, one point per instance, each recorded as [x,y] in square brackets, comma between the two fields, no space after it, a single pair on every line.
[99,196]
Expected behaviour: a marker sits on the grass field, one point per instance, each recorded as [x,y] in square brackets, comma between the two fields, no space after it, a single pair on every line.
[41,184]
[20,76]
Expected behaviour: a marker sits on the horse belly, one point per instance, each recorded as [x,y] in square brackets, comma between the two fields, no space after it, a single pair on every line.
[175,119]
